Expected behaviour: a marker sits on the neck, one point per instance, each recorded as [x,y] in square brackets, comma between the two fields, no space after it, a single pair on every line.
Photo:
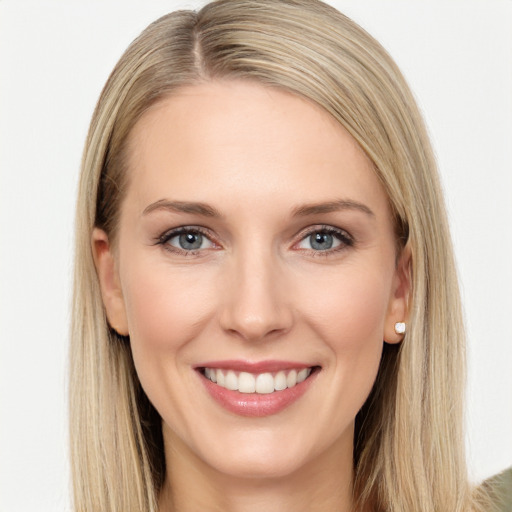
[324,485]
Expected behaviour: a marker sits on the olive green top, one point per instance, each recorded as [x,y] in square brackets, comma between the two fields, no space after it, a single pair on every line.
[499,488]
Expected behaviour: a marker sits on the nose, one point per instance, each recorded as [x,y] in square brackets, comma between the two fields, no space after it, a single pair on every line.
[257,302]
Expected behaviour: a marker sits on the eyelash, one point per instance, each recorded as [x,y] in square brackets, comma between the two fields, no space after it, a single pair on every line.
[345,239]
[168,235]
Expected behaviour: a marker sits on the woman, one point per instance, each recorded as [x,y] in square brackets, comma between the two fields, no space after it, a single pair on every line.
[254,218]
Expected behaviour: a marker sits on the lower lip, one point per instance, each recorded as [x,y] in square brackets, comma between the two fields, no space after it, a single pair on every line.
[255,404]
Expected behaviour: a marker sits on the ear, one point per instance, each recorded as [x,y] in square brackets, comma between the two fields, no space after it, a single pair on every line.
[399,299]
[110,284]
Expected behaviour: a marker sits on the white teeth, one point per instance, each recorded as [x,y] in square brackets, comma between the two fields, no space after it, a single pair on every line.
[280,381]
[302,375]
[291,379]
[262,383]
[231,381]
[246,383]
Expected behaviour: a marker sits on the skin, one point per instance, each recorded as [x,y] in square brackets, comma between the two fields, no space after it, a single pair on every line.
[256,290]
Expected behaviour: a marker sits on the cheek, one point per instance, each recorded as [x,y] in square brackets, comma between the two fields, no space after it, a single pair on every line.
[163,305]
[349,308]
[166,309]
[345,311]
[349,315]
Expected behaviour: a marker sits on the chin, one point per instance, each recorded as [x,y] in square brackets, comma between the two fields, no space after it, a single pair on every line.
[273,451]
[261,465]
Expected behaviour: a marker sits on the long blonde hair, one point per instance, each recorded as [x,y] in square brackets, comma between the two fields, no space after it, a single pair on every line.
[409,443]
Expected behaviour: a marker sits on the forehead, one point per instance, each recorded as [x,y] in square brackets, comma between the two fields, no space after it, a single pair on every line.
[218,140]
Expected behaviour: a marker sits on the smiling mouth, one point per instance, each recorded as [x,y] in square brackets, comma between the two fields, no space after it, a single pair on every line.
[257,383]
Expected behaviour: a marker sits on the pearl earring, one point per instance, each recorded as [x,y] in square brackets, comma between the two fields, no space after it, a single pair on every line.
[400,327]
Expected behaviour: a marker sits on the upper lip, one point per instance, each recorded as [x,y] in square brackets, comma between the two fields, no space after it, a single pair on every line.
[254,366]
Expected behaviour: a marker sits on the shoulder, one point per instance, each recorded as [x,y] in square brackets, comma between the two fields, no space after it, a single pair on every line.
[499,488]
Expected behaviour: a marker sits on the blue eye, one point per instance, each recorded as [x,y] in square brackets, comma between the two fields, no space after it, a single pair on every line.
[187,240]
[325,239]
[322,241]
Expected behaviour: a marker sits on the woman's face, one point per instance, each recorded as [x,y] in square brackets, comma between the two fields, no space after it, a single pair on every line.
[255,249]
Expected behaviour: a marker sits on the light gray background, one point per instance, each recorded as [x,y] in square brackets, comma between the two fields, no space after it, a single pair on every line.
[54,60]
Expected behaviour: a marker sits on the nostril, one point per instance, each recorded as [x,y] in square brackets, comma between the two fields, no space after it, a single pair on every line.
[254,333]
[251,327]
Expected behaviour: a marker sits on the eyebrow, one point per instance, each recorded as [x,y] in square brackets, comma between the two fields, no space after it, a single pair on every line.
[331,206]
[182,207]
[300,211]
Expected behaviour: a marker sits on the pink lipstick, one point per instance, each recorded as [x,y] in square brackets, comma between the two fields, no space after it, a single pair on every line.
[256,388]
